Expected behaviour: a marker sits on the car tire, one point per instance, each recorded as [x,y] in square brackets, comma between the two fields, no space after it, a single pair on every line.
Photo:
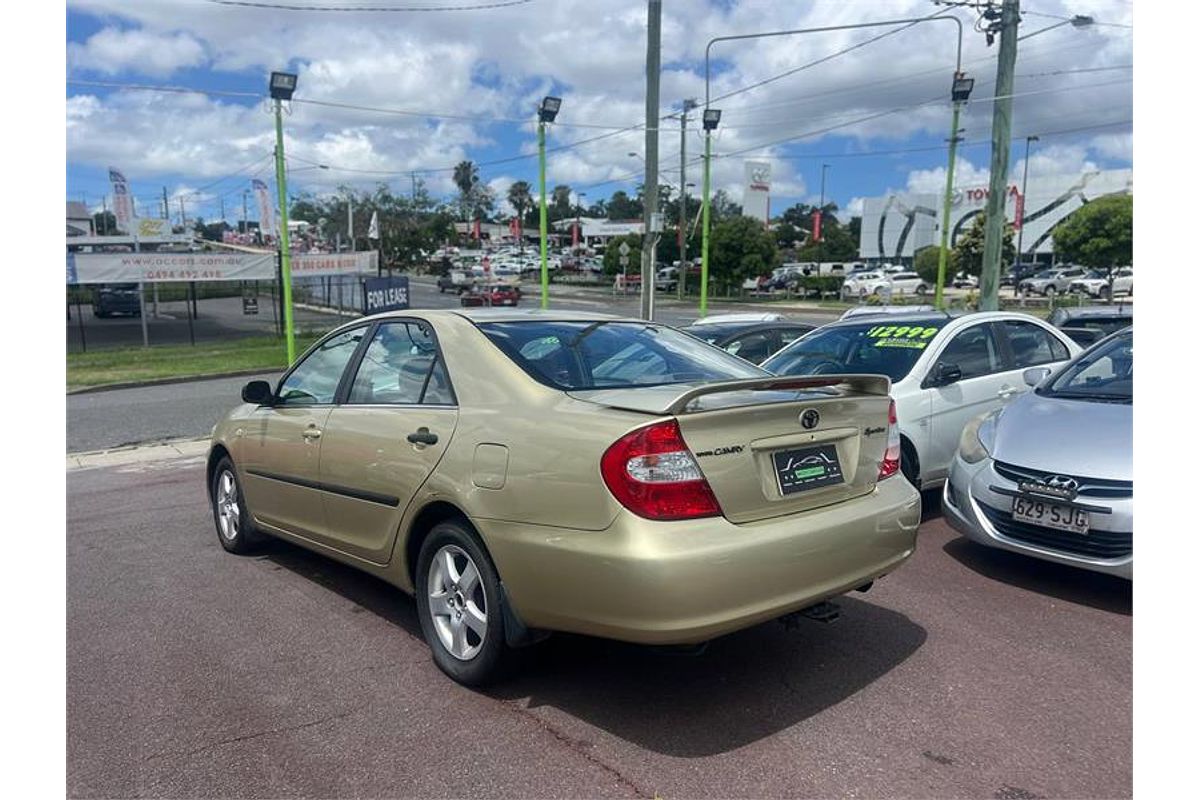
[100,314]
[908,465]
[446,605]
[878,291]
[235,528]
[1049,291]
[922,289]
[1104,293]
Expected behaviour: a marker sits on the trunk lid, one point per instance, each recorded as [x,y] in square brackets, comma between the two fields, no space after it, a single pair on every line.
[743,434]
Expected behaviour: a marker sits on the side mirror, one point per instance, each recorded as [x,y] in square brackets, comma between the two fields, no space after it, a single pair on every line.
[1035,375]
[945,374]
[258,393]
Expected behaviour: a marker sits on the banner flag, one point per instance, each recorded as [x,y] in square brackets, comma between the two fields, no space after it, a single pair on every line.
[122,202]
[816,225]
[373,229]
[266,209]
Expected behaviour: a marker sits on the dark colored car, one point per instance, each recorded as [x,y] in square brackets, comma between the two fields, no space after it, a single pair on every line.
[495,295]
[1087,325]
[117,298]
[445,282]
[753,341]
[1014,276]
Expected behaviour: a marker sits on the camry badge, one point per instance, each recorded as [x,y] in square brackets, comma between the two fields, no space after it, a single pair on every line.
[810,419]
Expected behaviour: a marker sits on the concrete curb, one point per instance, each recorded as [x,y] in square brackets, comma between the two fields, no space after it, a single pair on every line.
[167,381]
[137,454]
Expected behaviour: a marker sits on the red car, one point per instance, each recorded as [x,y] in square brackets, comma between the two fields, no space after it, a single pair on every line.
[497,295]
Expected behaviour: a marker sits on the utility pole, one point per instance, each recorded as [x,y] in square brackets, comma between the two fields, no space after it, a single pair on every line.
[166,205]
[821,216]
[104,215]
[651,223]
[245,192]
[413,175]
[182,214]
[993,241]
[222,199]
[350,219]
[681,285]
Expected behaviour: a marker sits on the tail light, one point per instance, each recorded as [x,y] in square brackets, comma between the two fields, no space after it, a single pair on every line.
[653,474]
[891,456]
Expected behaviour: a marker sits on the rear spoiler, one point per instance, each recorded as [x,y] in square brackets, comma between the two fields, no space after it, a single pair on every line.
[858,384]
[674,400]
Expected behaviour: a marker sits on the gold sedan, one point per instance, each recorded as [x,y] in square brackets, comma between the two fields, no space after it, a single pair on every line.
[522,472]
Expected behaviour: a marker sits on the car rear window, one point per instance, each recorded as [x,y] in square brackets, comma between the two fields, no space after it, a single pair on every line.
[600,355]
[871,347]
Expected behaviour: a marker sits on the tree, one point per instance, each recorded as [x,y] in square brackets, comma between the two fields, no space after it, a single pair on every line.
[787,235]
[105,223]
[925,264]
[1099,234]
[741,248]
[836,243]
[968,250]
[622,207]
[521,199]
[560,203]
[720,207]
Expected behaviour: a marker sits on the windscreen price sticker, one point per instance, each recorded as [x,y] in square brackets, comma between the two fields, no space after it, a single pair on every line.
[911,336]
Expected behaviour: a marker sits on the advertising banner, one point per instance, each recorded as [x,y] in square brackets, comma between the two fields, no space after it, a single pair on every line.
[152,227]
[168,267]
[756,201]
[122,202]
[385,294]
[266,209]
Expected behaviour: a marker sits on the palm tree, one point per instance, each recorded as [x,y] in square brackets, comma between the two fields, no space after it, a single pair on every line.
[466,178]
[520,199]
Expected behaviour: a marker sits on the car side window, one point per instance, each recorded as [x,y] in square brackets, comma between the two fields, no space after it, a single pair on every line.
[400,366]
[754,347]
[789,335]
[314,381]
[1032,345]
[973,351]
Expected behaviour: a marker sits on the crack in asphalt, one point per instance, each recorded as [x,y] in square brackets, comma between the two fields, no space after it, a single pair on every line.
[579,747]
[257,735]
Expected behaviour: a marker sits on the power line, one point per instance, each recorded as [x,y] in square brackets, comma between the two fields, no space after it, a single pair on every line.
[441,115]
[1072,19]
[372,9]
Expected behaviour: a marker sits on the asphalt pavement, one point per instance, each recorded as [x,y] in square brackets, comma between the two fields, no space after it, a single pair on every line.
[192,672]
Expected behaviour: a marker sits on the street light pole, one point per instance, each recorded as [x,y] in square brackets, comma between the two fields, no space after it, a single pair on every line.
[709,119]
[282,87]
[821,216]
[960,90]
[546,113]
[681,285]
[1021,220]
[708,100]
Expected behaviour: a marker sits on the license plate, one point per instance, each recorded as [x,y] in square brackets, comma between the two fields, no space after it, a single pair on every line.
[1050,515]
[808,468]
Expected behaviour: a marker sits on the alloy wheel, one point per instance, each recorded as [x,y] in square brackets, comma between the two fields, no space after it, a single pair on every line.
[457,603]
[229,513]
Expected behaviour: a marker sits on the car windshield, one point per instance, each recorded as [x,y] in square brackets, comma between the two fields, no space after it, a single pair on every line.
[879,349]
[1102,375]
[1096,274]
[1046,273]
[1105,325]
[604,354]
[712,332]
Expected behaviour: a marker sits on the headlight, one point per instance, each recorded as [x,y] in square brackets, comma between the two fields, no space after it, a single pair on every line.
[977,438]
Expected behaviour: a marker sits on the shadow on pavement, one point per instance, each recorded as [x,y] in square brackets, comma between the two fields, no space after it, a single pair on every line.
[931,504]
[1103,592]
[373,594]
[744,687]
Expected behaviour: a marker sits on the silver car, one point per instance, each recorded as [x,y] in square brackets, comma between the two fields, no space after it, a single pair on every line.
[1051,474]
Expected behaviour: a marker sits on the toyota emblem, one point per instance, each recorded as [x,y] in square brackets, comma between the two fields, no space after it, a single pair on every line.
[810,419]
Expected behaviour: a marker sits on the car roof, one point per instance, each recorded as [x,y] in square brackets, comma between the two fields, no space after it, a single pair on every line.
[1083,312]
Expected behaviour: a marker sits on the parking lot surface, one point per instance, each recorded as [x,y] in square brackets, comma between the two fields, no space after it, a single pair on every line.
[192,672]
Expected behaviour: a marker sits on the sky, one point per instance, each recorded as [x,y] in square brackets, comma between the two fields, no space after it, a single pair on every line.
[382,95]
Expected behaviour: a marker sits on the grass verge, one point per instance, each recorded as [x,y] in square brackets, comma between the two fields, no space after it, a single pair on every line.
[138,364]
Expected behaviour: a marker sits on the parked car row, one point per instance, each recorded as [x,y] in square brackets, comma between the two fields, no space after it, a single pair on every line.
[526,472]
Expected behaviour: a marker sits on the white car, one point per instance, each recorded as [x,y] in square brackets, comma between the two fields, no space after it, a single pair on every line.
[882,284]
[1095,283]
[1050,282]
[945,371]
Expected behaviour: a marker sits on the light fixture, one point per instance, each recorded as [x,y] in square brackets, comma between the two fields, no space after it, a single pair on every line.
[283,84]
[960,90]
[548,110]
[711,117]
[1081,20]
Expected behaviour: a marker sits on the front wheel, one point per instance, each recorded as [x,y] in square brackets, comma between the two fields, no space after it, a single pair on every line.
[1049,291]
[235,531]
[1105,293]
[459,605]
[922,290]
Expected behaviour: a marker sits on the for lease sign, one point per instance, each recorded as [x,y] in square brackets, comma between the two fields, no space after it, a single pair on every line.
[385,294]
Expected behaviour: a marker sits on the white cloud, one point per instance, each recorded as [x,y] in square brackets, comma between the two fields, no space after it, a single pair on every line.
[500,63]
[111,51]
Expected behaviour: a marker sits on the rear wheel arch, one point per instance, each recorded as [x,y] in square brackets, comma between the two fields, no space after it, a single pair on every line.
[910,461]
[423,523]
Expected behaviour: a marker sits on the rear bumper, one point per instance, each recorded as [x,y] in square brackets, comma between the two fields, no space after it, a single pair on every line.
[689,581]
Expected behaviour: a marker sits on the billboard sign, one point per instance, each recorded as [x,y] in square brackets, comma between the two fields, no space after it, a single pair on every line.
[756,201]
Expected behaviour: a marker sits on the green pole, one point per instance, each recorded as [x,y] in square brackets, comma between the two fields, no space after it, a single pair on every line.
[704,223]
[542,215]
[285,254]
[942,251]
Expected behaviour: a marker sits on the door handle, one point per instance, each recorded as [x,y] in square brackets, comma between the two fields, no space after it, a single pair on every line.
[1006,392]
[311,433]
[422,436]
